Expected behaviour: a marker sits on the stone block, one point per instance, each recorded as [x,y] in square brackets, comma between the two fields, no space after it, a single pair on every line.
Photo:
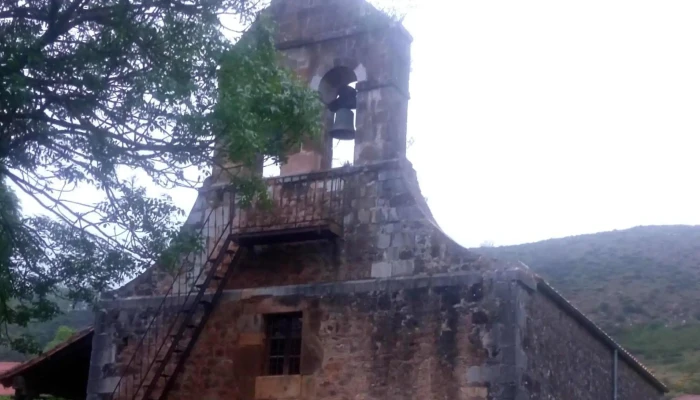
[389,174]
[393,214]
[391,227]
[403,239]
[277,387]
[308,387]
[402,267]
[349,219]
[392,254]
[107,385]
[471,393]
[410,214]
[101,344]
[363,216]
[376,215]
[481,374]
[383,241]
[250,323]
[381,270]
[251,339]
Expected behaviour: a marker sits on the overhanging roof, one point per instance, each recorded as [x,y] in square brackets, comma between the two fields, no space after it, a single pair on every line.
[61,371]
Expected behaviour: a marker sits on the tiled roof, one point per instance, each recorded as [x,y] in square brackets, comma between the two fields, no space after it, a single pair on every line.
[5,366]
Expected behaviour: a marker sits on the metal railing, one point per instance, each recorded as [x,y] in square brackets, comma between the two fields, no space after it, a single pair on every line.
[189,283]
[300,201]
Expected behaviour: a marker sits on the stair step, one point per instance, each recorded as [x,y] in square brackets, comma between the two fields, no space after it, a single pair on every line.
[217,277]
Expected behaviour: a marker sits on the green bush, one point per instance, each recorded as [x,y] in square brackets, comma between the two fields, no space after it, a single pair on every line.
[656,341]
[675,351]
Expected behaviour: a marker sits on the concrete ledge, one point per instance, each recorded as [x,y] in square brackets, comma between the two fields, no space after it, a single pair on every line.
[324,289]
[393,283]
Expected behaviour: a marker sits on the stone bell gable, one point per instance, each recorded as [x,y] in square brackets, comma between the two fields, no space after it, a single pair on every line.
[347,288]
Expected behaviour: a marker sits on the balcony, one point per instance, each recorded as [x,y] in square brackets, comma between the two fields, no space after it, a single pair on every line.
[304,207]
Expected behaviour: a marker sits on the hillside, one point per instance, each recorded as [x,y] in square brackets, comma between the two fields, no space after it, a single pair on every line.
[73,316]
[44,332]
[642,285]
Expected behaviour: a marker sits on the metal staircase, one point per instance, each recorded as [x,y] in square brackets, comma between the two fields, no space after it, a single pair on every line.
[306,207]
[181,315]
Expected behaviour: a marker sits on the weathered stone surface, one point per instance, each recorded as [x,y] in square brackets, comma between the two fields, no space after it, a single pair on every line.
[317,40]
[473,335]
[392,307]
[562,360]
[381,270]
[278,387]
[374,345]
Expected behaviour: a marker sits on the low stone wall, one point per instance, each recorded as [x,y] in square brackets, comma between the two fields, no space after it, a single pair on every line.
[467,335]
[563,358]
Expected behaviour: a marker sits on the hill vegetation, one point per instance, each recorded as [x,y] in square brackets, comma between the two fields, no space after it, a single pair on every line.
[642,285]
[45,333]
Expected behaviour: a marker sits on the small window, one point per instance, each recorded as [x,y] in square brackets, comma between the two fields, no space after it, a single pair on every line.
[283,344]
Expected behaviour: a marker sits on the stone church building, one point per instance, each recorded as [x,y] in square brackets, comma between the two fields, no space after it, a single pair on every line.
[347,289]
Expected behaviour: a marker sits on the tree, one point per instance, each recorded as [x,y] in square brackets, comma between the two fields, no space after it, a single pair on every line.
[90,89]
[63,333]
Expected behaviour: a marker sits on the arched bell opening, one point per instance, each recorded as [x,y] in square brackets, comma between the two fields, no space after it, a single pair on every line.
[337,90]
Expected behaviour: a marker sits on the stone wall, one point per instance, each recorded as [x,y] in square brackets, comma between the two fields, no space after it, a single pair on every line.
[563,359]
[463,335]
[403,338]
[387,230]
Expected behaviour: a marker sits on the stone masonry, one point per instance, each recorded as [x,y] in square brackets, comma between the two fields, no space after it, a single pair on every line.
[391,307]
[465,335]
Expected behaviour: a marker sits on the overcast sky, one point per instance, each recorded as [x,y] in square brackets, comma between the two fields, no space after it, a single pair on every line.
[539,119]
[544,119]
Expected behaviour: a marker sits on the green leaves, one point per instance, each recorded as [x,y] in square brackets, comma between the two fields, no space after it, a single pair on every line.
[90,94]
[63,333]
[263,108]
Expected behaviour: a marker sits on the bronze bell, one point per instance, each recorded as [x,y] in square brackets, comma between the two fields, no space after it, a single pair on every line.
[344,125]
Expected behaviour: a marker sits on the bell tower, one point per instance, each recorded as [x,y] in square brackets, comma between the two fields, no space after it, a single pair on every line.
[358,59]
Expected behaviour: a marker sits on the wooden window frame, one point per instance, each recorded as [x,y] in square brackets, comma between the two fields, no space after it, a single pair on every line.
[291,357]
